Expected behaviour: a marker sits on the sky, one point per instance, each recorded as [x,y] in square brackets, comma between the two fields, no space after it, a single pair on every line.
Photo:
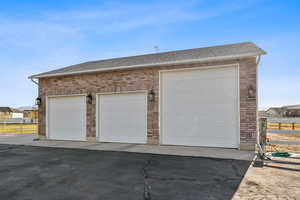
[38,36]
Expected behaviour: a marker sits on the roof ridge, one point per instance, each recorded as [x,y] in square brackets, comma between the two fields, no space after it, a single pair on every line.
[161,53]
[225,51]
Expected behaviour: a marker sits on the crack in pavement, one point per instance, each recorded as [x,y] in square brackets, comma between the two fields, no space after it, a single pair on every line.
[147,187]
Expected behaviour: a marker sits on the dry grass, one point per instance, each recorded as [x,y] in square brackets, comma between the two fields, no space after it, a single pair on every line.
[284,137]
[284,147]
[274,181]
[278,179]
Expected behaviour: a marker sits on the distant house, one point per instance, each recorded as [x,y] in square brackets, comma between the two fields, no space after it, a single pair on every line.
[17,113]
[292,111]
[275,112]
[8,113]
[29,112]
[284,111]
[263,113]
[5,113]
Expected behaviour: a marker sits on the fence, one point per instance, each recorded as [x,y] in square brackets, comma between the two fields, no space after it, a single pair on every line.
[17,129]
[283,125]
[284,131]
[18,121]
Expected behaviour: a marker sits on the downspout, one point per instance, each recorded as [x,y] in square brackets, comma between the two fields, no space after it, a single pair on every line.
[261,150]
[35,82]
[258,60]
[257,127]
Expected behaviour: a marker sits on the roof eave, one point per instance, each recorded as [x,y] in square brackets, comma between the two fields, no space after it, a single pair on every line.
[150,65]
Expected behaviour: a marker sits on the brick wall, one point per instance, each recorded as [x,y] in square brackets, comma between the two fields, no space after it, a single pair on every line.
[248,106]
[146,79]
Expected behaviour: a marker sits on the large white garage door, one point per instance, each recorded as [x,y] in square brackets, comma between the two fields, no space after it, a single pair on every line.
[200,107]
[66,118]
[122,117]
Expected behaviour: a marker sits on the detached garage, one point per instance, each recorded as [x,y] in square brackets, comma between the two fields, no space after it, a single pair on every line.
[195,97]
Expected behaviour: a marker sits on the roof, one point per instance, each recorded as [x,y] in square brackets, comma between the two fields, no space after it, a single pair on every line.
[26,108]
[292,107]
[289,107]
[14,110]
[274,109]
[230,51]
[5,109]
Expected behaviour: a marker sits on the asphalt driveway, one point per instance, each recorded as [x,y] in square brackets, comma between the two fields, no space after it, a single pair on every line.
[55,173]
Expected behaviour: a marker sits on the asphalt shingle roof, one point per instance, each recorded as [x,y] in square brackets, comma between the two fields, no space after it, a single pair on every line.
[5,109]
[231,51]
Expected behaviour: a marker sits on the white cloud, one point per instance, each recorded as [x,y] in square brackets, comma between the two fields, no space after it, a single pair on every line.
[77,25]
[115,17]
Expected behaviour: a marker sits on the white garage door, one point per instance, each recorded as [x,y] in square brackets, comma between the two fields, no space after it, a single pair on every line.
[200,107]
[66,118]
[122,117]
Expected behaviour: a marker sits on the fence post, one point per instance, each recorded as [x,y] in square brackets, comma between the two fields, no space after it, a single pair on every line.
[262,131]
[293,126]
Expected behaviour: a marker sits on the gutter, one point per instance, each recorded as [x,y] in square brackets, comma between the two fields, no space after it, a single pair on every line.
[148,65]
[34,81]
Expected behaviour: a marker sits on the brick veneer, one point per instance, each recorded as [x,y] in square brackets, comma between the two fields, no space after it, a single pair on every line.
[147,79]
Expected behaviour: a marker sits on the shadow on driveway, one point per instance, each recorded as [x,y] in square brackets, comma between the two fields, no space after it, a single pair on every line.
[54,173]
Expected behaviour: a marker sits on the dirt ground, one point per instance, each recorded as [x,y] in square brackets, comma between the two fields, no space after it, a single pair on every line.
[284,137]
[283,147]
[277,180]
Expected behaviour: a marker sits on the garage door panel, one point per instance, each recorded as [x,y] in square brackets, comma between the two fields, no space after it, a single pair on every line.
[185,141]
[123,118]
[199,107]
[66,118]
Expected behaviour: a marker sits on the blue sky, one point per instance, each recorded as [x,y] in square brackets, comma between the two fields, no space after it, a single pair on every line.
[37,36]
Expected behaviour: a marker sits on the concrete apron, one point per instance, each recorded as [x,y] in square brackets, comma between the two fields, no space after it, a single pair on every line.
[137,148]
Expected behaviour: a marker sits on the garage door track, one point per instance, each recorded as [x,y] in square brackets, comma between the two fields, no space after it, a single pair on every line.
[56,173]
